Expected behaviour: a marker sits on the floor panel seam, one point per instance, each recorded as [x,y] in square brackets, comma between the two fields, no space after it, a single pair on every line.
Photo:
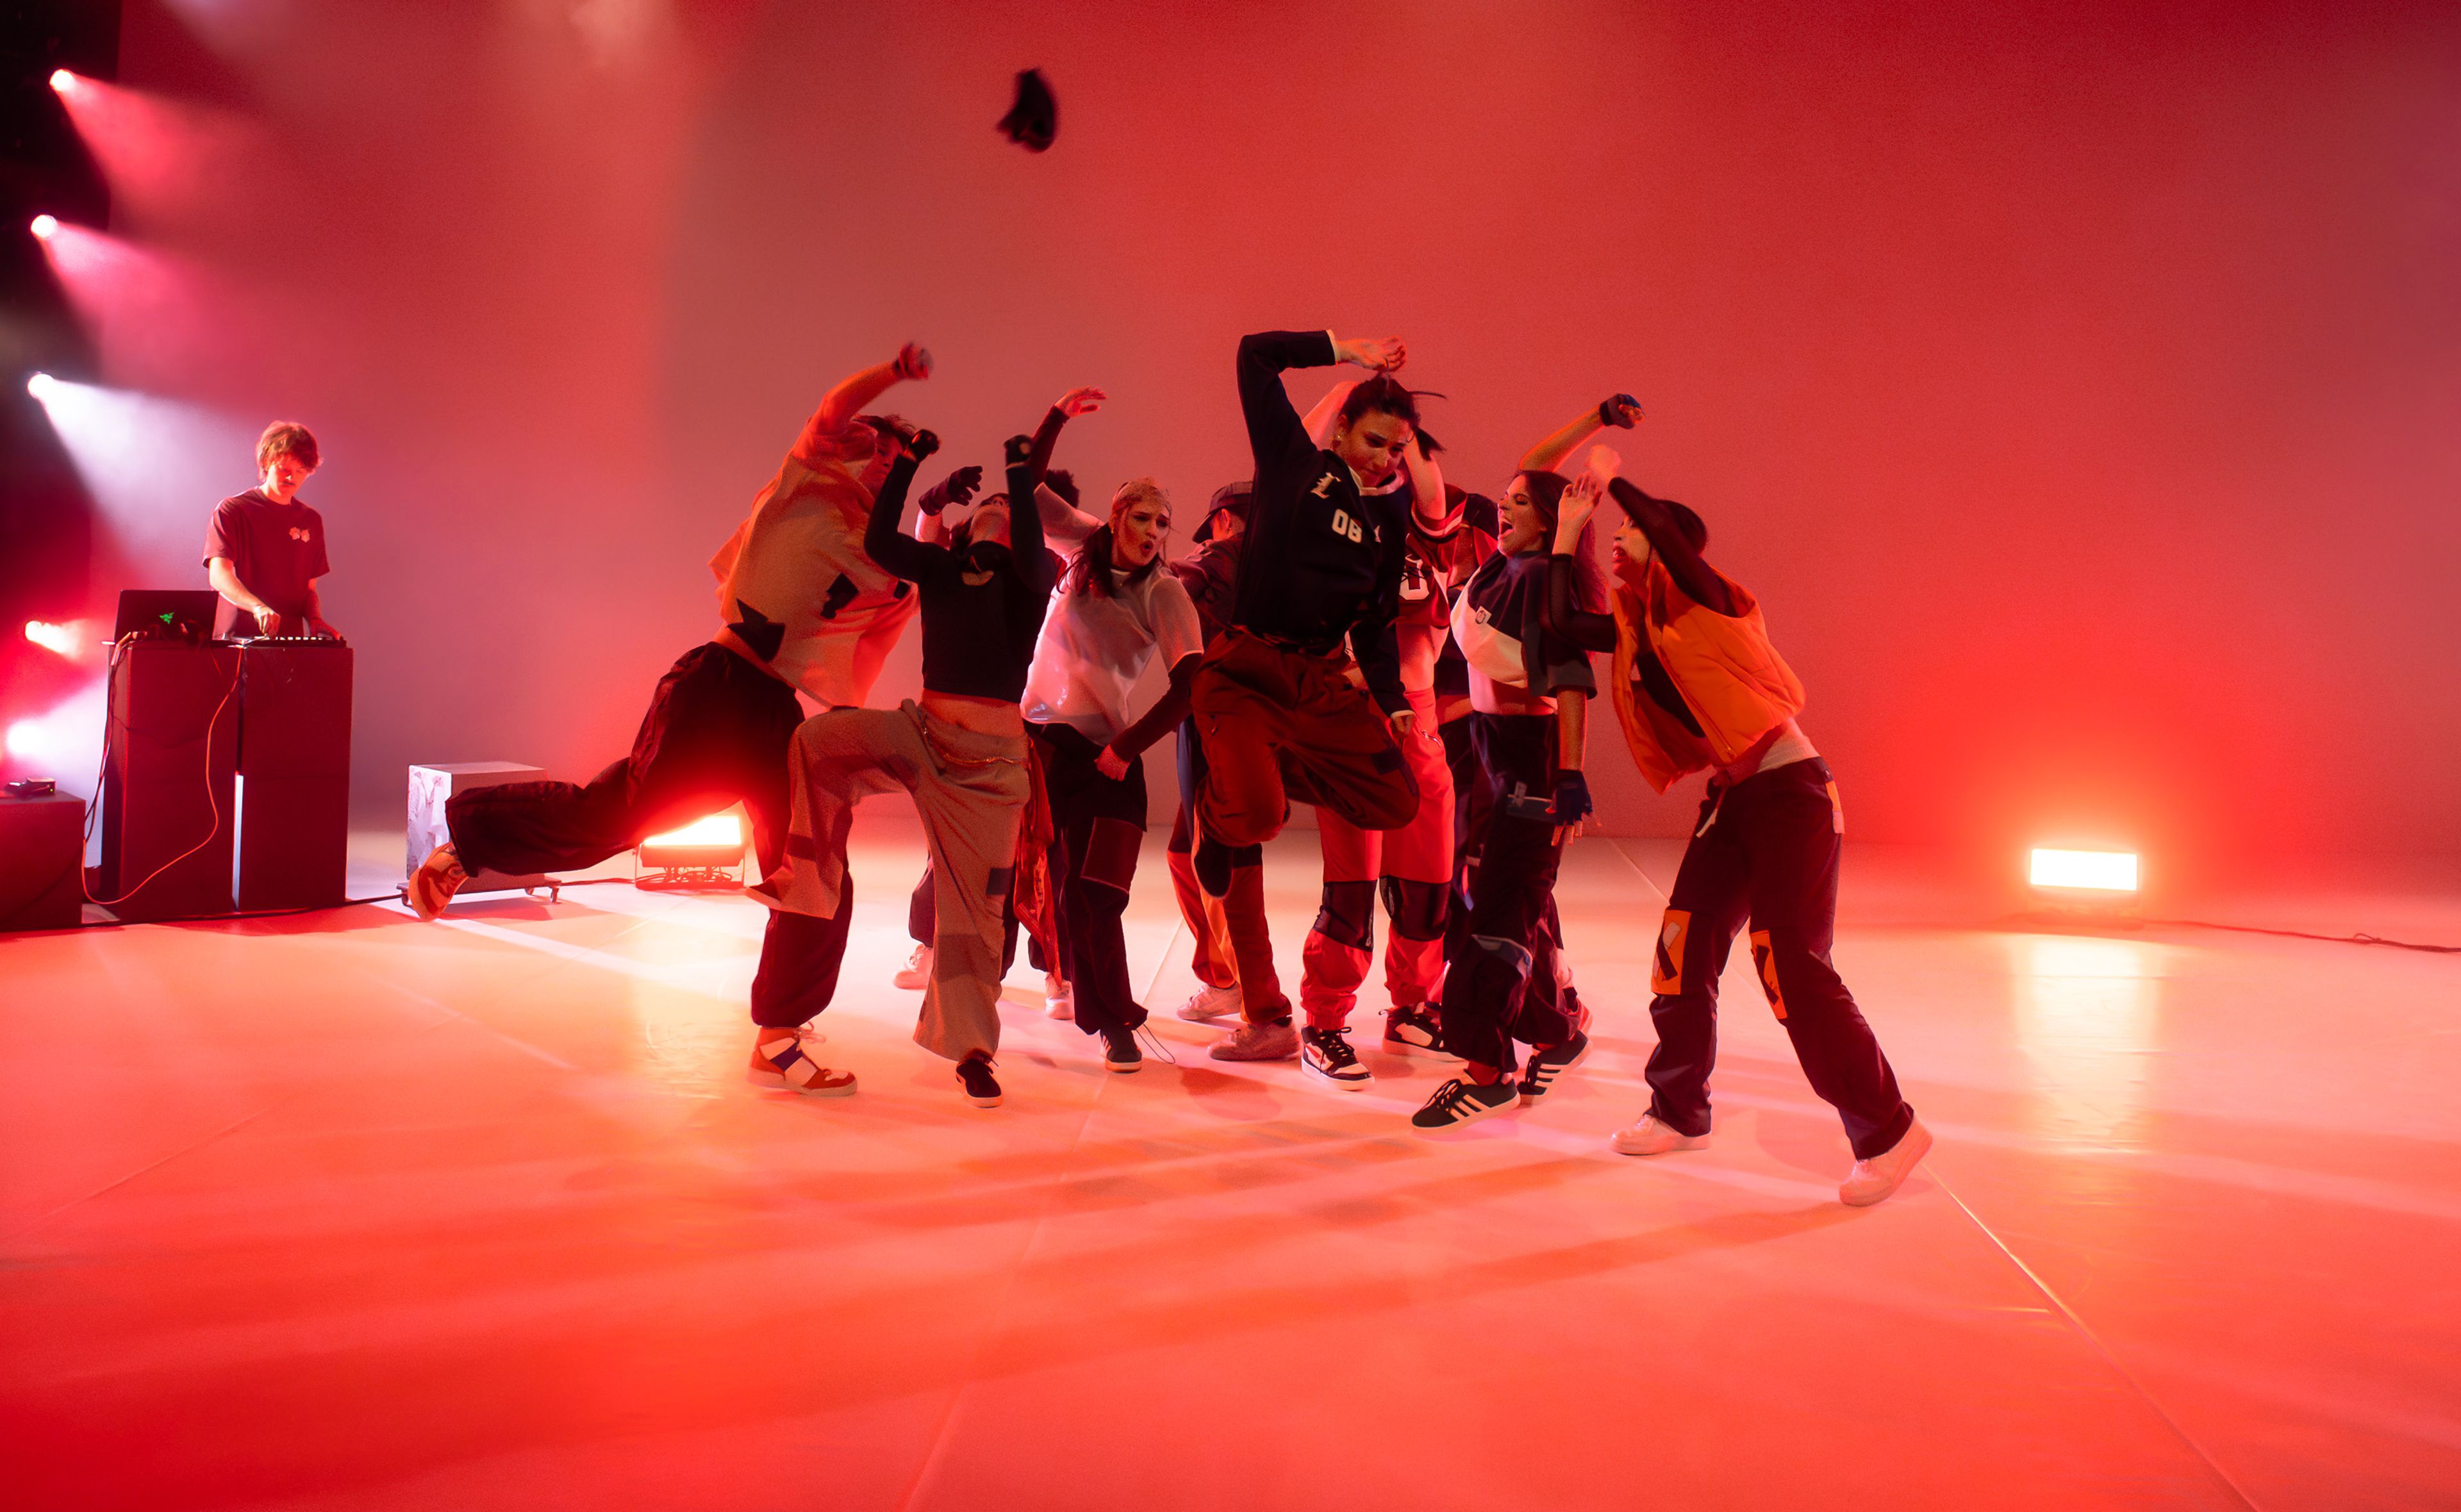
[2094,1340]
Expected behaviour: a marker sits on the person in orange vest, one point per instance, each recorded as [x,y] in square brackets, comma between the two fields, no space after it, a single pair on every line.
[1698,687]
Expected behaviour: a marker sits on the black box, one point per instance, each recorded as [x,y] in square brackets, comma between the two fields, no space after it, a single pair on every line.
[42,854]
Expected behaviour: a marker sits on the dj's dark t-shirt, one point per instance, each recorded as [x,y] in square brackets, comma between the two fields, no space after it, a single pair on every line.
[278,550]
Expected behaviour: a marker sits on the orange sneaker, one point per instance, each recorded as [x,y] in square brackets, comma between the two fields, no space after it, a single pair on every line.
[778,1060]
[435,883]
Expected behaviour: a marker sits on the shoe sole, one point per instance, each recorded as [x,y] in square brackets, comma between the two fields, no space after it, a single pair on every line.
[1482,1113]
[1124,1067]
[906,983]
[1355,1083]
[1701,1143]
[982,1102]
[1211,1014]
[1404,1047]
[1065,1013]
[1891,1190]
[1528,1095]
[1217,1055]
[776,1082]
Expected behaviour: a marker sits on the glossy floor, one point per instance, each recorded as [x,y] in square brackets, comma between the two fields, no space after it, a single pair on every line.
[348,1211]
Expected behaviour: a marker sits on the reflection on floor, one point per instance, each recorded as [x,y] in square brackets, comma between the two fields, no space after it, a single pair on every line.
[344,1210]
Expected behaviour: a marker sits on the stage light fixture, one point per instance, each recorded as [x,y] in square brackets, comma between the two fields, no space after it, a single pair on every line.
[703,854]
[2083,870]
[63,80]
[39,385]
[44,226]
[61,639]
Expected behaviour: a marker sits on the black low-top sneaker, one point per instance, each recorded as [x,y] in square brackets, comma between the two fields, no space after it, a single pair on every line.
[982,1088]
[1120,1050]
[1327,1052]
[1545,1065]
[1458,1102]
[1415,1028]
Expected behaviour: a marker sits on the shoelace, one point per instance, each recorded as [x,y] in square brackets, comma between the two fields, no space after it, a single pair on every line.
[1334,1047]
[1153,1042]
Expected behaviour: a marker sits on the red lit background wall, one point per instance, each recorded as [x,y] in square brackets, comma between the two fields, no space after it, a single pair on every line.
[2077,384]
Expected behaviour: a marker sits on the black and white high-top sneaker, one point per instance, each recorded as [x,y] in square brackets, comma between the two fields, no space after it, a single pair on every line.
[1327,1052]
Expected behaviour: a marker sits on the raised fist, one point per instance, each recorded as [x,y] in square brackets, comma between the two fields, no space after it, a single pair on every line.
[922,444]
[913,362]
[1619,410]
[1019,449]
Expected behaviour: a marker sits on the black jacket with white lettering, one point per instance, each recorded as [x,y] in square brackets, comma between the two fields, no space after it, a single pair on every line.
[1320,563]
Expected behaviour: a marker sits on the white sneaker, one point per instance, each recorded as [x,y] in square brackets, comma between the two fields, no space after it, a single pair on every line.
[917,975]
[1059,998]
[1872,1181]
[1211,1003]
[1649,1136]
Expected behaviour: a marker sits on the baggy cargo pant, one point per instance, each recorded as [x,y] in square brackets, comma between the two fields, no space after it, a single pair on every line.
[1768,846]
[1412,867]
[971,789]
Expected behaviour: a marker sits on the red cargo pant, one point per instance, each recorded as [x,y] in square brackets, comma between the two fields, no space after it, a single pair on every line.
[1413,864]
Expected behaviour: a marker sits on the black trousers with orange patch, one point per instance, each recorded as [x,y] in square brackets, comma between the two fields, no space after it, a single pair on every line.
[1500,985]
[1097,825]
[1766,849]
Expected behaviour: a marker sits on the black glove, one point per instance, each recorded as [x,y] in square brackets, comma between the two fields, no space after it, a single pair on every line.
[1573,797]
[1619,410]
[957,488]
[921,445]
[1020,449]
[1033,122]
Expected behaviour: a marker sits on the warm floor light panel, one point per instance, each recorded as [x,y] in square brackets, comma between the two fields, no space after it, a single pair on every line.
[718,829]
[2091,870]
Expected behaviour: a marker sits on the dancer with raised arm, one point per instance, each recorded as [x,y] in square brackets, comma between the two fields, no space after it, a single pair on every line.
[1280,717]
[1530,689]
[1411,866]
[1117,608]
[960,752]
[801,606]
[1698,687]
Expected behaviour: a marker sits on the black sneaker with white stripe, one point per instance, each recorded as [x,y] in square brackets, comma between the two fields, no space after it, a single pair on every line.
[1414,1028]
[1458,1102]
[1545,1065]
[1327,1052]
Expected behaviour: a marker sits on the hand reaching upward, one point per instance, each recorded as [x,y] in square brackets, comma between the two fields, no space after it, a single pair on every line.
[1081,401]
[1384,353]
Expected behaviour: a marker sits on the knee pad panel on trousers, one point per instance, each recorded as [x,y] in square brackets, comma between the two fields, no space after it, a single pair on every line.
[1111,847]
[1765,967]
[1417,909]
[1347,915]
[1666,964]
[1510,954]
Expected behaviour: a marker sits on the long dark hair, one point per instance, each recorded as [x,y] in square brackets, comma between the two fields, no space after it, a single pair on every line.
[1387,394]
[1546,492]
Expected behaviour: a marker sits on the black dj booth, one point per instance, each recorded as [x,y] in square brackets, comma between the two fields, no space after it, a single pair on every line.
[226,776]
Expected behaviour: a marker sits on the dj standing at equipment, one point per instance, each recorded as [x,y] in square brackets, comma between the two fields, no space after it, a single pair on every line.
[265,548]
